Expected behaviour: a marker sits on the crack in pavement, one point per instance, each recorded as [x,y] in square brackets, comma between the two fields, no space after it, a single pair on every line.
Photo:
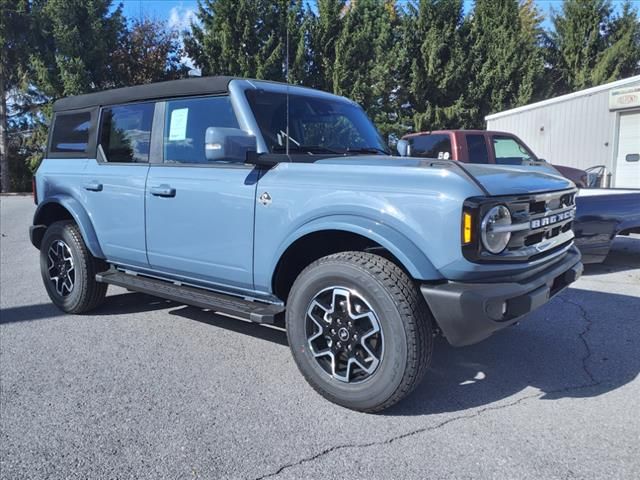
[583,334]
[593,383]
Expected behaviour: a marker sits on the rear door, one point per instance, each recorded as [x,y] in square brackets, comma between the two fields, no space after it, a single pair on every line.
[114,183]
[199,213]
[477,151]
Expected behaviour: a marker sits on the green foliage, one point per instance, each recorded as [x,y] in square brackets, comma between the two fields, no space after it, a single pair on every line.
[505,62]
[248,38]
[591,46]
[439,66]
[366,62]
[324,30]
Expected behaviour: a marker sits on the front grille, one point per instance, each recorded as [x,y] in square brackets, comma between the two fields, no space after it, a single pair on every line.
[548,223]
[541,226]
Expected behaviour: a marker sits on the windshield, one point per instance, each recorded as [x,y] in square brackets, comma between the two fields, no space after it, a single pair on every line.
[316,125]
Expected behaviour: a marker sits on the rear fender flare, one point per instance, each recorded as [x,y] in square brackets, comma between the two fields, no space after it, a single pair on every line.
[80,216]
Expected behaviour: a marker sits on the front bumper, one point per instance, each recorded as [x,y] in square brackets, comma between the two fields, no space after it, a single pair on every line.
[470,312]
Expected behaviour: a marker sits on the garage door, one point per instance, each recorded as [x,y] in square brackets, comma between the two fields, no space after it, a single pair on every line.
[628,159]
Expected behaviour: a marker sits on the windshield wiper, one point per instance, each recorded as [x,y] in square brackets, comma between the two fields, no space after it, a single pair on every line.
[307,149]
[366,150]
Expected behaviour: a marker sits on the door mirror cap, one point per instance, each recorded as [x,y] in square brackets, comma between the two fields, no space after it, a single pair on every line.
[403,148]
[228,144]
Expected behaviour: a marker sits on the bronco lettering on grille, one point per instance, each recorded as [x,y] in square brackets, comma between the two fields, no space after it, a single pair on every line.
[551,219]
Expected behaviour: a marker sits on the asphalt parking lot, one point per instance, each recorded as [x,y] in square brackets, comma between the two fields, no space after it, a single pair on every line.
[144,388]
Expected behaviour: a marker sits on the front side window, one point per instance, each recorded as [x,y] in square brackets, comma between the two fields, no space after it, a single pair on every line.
[436,145]
[316,125]
[186,124]
[71,132]
[510,152]
[477,149]
[125,132]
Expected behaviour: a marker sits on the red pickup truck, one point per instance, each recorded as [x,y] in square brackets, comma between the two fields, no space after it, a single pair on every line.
[602,213]
[478,146]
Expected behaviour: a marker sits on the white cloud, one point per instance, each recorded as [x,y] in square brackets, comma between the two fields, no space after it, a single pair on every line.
[180,18]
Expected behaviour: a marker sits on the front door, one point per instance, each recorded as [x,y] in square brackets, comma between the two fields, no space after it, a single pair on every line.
[628,157]
[199,220]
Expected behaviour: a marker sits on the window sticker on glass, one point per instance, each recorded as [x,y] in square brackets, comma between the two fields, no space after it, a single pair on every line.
[178,124]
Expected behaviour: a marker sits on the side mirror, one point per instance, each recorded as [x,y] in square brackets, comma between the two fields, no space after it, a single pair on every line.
[403,147]
[228,144]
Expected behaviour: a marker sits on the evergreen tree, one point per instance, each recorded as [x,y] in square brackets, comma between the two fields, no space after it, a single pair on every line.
[439,66]
[149,52]
[621,58]
[248,38]
[577,42]
[15,40]
[324,30]
[75,47]
[365,68]
[589,45]
[505,64]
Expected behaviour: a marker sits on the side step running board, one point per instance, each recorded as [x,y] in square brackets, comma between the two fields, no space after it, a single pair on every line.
[218,302]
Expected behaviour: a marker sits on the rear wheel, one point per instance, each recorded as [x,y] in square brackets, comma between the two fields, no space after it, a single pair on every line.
[68,269]
[359,331]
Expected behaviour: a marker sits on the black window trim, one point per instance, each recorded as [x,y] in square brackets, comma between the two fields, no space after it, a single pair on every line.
[90,152]
[101,156]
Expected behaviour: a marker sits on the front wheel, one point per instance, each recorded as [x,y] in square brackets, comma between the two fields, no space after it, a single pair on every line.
[359,331]
[68,269]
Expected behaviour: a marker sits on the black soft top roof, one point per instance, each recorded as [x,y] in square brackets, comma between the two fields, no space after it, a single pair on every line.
[150,91]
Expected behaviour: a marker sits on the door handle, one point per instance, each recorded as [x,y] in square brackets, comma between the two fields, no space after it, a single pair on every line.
[163,191]
[93,186]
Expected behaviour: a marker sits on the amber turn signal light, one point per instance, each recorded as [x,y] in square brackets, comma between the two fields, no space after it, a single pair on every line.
[466,228]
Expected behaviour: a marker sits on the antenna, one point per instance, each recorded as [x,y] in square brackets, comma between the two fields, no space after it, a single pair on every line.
[286,77]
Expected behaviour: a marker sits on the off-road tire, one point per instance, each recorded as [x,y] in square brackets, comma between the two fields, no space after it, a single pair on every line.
[403,316]
[86,293]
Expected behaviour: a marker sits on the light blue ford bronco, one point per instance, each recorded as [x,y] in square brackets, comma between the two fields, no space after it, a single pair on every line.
[266,201]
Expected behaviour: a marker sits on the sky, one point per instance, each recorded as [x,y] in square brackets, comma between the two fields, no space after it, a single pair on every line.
[178,13]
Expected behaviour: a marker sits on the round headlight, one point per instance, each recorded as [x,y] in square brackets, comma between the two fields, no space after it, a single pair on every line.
[493,239]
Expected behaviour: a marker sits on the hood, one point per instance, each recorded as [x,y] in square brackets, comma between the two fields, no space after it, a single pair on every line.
[495,179]
[514,180]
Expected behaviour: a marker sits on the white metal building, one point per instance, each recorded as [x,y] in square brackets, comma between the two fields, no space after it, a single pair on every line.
[597,126]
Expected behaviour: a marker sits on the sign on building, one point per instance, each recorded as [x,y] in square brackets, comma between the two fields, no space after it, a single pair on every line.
[621,98]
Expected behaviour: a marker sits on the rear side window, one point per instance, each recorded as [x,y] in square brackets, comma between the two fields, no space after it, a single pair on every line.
[71,132]
[125,132]
[186,124]
[477,149]
[431,146]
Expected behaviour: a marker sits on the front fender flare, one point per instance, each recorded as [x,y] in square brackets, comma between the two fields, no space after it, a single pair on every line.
[80,216]
[410,256]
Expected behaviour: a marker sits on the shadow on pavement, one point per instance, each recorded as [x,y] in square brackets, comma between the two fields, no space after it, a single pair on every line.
[586,346]
[274,334]
[624,255]
[583,344]
[123,303]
